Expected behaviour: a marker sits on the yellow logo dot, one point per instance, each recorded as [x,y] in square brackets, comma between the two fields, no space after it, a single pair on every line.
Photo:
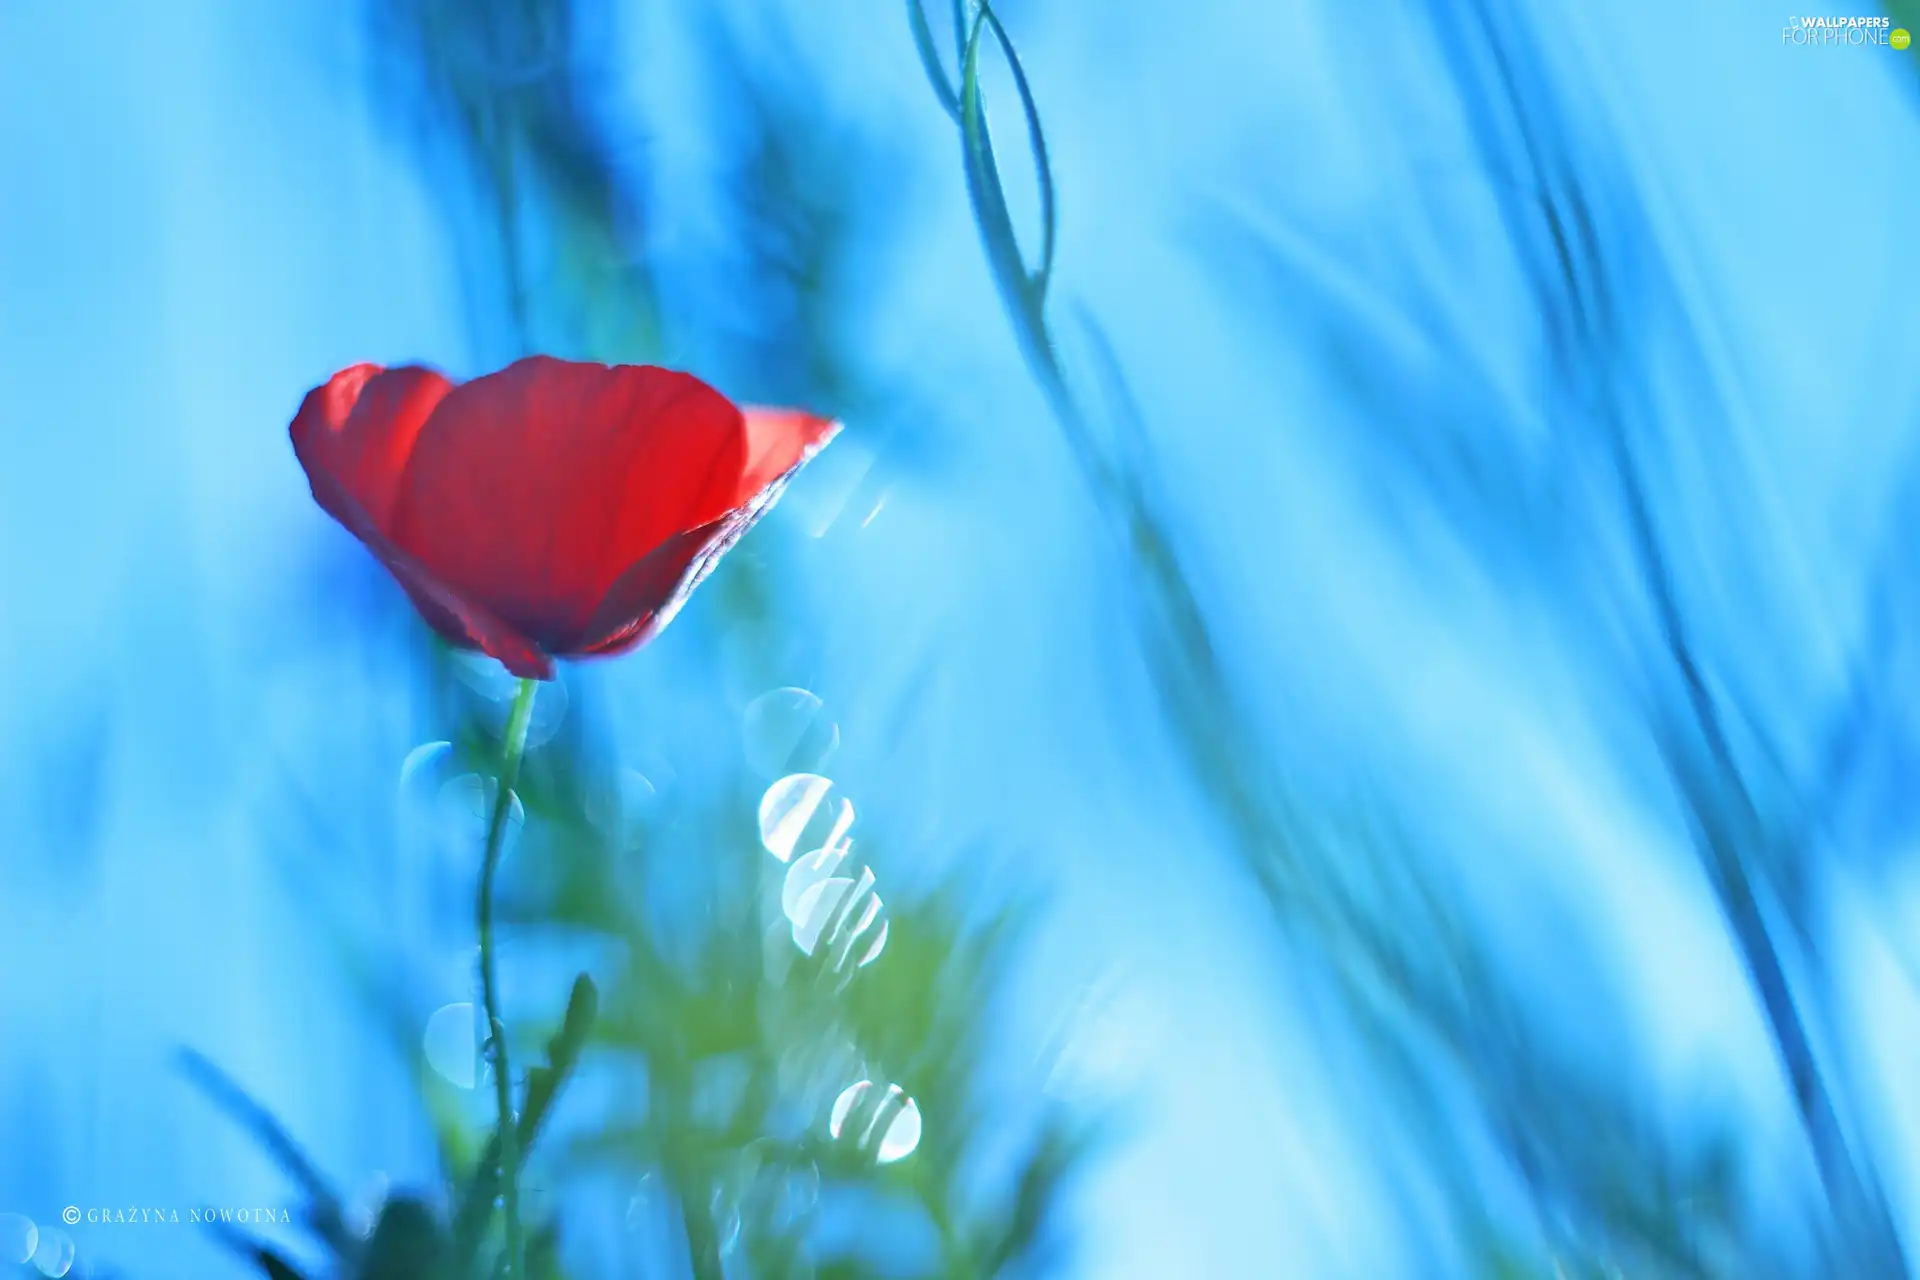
[1899,39]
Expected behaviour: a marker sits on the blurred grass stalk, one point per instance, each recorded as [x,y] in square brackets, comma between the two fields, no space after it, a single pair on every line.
[1294,858]
[1584,291]
[1554,221]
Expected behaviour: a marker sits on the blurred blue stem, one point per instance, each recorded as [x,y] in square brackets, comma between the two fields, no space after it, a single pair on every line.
[1587,323]
[514,747]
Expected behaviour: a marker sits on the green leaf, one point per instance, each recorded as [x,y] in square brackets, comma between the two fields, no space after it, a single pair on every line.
[543,1087]
[324,1213]
[407,1242]
[930,58]
[1063,1149]
[262,1255]
[1025,290]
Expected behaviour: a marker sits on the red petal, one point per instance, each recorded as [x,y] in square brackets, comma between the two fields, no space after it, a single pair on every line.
[779,442]
[461,621]
[354,436]
[645,599]
[359,429]
[535,488]
[550,508]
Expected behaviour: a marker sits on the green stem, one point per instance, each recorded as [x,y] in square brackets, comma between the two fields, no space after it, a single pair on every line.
[703,1238]
[515,747]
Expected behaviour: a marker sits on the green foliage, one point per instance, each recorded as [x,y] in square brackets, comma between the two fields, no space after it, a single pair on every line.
[745,1046]
[409,1241]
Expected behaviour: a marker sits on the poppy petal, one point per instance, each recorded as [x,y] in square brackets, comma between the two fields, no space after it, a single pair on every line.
[353,436]
[779,442]
[462,622]
[636,607]
[359,428]
[646,598]
[535,488]
[552,508]
[467,625]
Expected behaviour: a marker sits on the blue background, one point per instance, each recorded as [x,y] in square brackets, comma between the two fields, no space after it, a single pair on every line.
[201,216]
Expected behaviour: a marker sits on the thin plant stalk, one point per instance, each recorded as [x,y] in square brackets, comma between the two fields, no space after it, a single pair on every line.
[513,749]
[1576,285]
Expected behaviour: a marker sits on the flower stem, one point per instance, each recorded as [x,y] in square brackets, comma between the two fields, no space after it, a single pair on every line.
[515,747]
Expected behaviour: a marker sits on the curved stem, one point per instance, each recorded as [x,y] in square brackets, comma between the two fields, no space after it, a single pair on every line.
[514,748]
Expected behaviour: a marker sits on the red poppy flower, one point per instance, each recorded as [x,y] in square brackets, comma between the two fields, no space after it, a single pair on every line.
[552,509]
